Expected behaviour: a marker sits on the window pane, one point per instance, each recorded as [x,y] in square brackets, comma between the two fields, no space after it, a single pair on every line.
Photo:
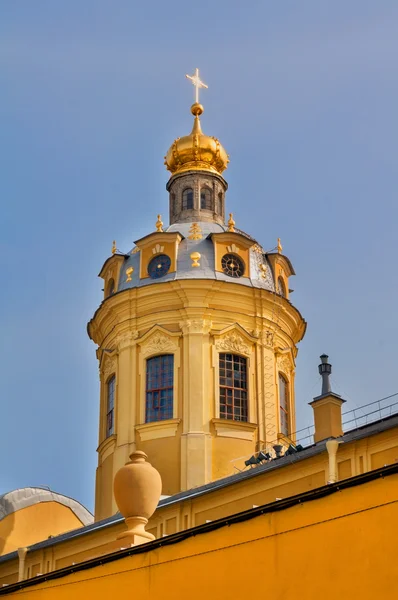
[233,387]
[110,403]
[159,388]
[187,199]
[205,199]
[284,404]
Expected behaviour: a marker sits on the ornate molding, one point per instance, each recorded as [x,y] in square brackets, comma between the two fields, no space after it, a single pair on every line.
[284,364]
[94,332]
[233,342]
[158,343]
[109,367]
[200,326]
[269,398]
[124,340]
[268,338]
[157,249]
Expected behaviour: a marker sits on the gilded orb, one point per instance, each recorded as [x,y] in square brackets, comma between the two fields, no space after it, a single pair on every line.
[197,151]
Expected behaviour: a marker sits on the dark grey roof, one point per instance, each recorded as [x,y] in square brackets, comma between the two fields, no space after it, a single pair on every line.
[315,449]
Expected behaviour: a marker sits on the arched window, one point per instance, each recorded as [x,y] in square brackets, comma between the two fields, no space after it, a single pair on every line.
[159,388]
[110,288]
[219,205]
[284,404]
[110,406]
[281,287]
[233,387]
[206,199]
[187,199]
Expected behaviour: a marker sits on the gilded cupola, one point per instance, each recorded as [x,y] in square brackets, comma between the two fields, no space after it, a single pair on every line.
[196,151]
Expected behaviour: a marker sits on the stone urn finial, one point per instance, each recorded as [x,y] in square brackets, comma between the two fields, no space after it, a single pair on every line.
[137,488]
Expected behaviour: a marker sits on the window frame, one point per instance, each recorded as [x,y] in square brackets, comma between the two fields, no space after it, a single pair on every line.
[208,200]
[158,390]
[244,406]
[285,410]
[110,410]
[184,200]
[146,350]
[220,197]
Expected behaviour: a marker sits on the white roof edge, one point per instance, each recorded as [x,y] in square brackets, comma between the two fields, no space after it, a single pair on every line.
[24,497]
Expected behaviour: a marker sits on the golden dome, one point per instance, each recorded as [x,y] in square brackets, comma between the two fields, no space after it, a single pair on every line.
[196,151]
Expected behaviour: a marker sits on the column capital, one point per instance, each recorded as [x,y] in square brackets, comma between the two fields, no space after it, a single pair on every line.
[196,326]
[126,339]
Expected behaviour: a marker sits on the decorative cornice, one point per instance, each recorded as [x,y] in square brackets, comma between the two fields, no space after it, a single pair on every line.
[235,429]
[158,429]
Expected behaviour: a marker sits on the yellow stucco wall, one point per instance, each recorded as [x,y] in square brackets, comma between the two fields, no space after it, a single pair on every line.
[193,320]
[339,546]
[35,523]
[353,458]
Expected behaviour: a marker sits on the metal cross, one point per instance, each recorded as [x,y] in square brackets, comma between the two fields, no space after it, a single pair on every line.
[198,83]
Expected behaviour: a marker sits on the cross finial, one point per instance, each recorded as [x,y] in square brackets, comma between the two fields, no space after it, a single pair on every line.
[198,83]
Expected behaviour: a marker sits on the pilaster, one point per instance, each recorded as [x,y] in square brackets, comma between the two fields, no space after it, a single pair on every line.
[196,437]
[126,399]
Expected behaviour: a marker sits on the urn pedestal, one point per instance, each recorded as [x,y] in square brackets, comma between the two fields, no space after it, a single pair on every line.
[137,489]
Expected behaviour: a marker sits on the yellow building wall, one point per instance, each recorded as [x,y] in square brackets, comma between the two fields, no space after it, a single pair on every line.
[194,320]
[353,458]
[35,523]
[339,546]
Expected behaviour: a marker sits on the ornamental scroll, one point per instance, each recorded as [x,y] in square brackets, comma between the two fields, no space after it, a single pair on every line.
[158,343]
[233,342]
[109,367]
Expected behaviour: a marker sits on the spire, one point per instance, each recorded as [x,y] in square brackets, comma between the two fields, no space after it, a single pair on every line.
[325,370]
[196,110]
[196,151]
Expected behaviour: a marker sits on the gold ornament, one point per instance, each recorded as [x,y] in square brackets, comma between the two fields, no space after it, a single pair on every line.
[114,247]
[195,232]
[279,246]
[196,151]
[195,257]
[231,223]
[263,268]
[159,224]
[129,273]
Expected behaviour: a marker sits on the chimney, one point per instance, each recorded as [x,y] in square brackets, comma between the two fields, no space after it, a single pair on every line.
[327,406]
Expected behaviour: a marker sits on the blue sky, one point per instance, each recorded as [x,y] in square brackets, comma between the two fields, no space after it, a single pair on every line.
[304,97]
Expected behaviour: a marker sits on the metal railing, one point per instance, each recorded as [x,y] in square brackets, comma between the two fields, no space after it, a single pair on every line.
[356,417]
[368,413]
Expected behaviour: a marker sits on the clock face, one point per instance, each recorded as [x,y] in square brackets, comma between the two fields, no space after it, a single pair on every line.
[232,265]
[159,266]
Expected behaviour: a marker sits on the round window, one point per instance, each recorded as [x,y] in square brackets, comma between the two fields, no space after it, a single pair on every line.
[159,266]
[232,265]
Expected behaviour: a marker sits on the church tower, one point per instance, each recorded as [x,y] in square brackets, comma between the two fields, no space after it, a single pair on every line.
[196,336]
